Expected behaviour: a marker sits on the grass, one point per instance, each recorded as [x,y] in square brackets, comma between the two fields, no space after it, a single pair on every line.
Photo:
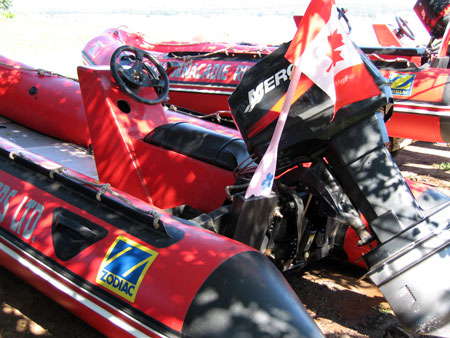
[442,166]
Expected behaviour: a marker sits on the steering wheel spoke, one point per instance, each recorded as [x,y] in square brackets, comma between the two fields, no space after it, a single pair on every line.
[404,29]
[156,83]
[139,69]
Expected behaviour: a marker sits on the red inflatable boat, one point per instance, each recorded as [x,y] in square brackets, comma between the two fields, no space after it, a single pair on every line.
[105,234]
[133,215]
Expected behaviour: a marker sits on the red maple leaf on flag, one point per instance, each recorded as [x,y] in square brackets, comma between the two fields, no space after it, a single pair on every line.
[335,40]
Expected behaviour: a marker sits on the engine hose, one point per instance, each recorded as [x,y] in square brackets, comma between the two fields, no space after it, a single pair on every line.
[357,224]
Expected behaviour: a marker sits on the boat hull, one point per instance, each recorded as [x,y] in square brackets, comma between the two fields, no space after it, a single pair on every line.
[33,97]
[63,234]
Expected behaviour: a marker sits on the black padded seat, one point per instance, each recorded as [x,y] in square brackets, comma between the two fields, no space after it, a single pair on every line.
[200,143]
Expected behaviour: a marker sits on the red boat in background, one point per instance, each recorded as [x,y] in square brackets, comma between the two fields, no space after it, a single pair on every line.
[204,74]
[420,77]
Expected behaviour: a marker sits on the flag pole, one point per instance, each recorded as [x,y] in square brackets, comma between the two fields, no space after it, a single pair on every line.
[262,180]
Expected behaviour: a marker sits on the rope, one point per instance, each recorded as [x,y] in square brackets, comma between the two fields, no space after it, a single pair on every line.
[104,188]
[226,51]
[13,154]
[259,51]
[390,60]
[39,71]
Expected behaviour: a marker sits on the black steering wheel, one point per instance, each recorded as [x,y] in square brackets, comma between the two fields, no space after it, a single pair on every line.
[403,28]
[132,69]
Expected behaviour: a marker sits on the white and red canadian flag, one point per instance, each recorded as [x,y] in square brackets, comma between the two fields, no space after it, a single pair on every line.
[322,50]
[328,56]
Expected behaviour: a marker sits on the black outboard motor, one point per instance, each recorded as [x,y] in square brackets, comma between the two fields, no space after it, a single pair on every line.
[410,262]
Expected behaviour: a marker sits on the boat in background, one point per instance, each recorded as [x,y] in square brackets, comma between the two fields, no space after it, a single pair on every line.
[204,74]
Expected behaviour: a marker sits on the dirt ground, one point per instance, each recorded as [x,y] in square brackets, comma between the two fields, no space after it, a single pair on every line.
[424,162]
[341,302]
